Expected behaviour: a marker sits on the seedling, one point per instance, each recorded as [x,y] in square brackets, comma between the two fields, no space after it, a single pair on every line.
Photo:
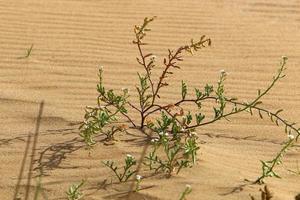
[28,53]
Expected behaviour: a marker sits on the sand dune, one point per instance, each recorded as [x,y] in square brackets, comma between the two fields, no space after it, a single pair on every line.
[72,38]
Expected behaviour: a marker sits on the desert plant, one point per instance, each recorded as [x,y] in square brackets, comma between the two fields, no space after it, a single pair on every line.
[138,182]
[187,190]
[268,166]
[98,117]
[176,154]
[74,192]
[127,169]
[28,53]
[178,125]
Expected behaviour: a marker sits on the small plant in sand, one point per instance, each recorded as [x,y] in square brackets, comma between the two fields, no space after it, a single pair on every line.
[174,145]
[28,53]
[74,192]
[127,170]
[187,191]
[138,182]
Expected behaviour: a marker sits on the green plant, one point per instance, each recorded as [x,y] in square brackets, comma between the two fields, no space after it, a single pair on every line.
[268,166]
[127,169]
[103,115]
[178,146]
[28,52]
[74,192]
[175,155]
[138,182]
[187,190]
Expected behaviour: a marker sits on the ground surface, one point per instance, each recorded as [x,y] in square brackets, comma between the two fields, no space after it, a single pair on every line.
[72,38]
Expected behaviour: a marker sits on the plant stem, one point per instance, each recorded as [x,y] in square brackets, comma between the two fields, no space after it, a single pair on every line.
[275,160]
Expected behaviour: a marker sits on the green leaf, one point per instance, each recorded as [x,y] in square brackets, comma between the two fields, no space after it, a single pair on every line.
[208,89]
[198,93]
[183,90]
[189,118]
[217,112]
[199,118]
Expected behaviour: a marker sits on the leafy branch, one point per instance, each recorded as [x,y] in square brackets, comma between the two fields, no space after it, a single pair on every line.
[147,99]
[74,192]
[127,171]
[268,166]
[176,154]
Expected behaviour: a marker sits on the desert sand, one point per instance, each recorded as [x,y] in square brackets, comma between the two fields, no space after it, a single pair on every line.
[72,38]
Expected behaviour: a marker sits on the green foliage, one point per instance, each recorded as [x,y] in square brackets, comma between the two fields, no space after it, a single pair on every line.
[28,52]
[190,148]
[126,171]
[138,182]
[220,95]
[175,146]
[96,118]
[175,154]
[183,90]
[268,166]
[199,118]
[143,97]
[74,192]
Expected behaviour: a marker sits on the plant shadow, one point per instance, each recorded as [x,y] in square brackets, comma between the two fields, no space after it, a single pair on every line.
[51,157]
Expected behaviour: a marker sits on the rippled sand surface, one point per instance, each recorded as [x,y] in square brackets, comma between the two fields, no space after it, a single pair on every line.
[72,38]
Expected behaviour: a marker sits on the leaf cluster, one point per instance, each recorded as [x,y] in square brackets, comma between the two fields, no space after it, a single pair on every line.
[171,153]
[110,105]
[125,172]
[74,192]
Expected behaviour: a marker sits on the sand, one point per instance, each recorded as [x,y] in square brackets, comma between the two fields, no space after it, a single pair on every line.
[72,38]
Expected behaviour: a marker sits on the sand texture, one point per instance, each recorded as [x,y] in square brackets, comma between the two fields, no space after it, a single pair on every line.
[72,38]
